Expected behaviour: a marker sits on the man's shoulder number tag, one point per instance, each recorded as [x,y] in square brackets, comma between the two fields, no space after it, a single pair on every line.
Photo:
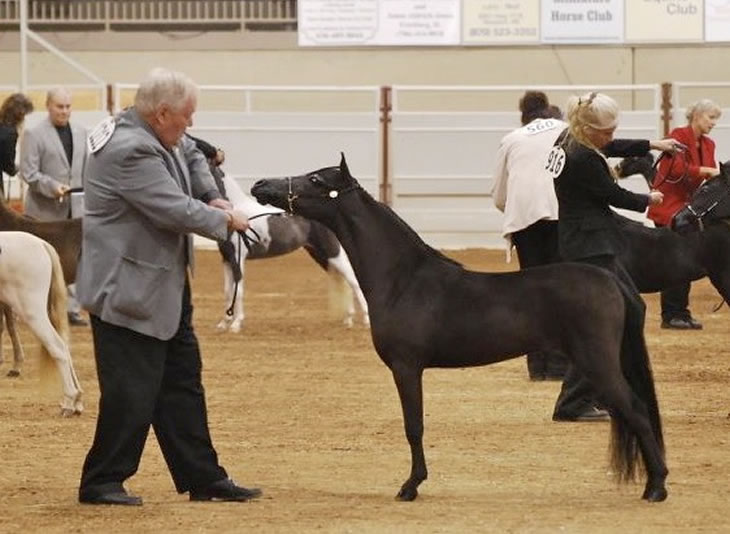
[101,133]
[555,161]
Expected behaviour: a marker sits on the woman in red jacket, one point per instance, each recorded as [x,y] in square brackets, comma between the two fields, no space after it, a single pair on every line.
[678,177]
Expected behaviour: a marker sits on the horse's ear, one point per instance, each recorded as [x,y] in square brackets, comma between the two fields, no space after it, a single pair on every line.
[343,165]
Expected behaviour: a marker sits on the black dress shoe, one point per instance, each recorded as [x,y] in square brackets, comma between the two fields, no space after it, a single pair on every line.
[76,319]
[224,490]
[121,498]
[589,414]
[694,323]
[677,323]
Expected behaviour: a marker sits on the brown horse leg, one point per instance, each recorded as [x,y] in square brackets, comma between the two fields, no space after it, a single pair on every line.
[18,355]
[409,382]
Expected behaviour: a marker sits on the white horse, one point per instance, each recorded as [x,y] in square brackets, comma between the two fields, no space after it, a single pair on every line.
[33,287]
[274,233]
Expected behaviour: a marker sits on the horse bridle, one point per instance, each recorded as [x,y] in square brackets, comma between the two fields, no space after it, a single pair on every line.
[332,193]
[708,209]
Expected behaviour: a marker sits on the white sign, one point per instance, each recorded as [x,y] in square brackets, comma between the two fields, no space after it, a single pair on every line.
[717,20]
[501,22]
[582,21]
[379,22]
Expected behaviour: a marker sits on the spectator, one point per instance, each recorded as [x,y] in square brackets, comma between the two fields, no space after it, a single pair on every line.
[53,155]
[12,113]
[678,178]
[143,185]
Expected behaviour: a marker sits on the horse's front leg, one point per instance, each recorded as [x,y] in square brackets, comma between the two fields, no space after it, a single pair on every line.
[18,355]
[238,315]
[228,290]
[409,382]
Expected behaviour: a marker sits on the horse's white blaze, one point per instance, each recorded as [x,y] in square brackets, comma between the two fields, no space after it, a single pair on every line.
[27,271]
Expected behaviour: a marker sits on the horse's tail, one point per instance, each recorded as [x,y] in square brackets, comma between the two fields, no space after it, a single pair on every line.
[57,312]
[636,367]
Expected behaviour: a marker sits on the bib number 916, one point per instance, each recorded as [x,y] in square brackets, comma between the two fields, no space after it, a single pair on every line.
[555,161]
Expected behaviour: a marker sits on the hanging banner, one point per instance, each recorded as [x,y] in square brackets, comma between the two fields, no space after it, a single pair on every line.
[582,21]
[667,21]
[379,22]
[488,22]
[717,20]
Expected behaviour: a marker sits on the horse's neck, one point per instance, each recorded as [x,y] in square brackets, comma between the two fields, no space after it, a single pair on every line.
[382,252]
[244,202]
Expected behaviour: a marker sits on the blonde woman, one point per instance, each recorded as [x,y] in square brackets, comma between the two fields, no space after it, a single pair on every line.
[678,178]
[586,190]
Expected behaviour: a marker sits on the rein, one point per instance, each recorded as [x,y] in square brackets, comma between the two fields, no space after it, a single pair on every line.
[248,242]
[655,167]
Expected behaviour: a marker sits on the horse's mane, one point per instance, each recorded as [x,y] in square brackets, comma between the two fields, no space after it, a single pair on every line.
[410,232]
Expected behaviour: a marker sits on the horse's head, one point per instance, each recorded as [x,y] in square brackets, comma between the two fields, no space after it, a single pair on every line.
[711,202]
[643,165]
[312,195]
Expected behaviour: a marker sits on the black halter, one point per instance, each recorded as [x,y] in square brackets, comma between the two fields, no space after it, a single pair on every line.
[331,192]
[701,215]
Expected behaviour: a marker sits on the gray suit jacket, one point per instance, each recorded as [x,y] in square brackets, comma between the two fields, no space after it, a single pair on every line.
[133,262]
[44,165]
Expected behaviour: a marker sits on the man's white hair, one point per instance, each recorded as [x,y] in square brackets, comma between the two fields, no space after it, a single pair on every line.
[163,87]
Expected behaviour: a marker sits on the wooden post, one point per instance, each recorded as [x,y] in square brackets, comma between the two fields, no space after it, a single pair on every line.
[667,107]
[385,109]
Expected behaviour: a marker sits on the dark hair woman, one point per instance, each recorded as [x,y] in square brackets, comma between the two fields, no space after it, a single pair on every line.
[12,113]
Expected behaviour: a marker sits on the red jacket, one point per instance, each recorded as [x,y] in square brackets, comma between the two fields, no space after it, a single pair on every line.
[683,168]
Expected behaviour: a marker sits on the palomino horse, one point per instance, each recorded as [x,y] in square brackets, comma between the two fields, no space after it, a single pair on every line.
[64,236]
[428,311]
[272,233]
[33,287]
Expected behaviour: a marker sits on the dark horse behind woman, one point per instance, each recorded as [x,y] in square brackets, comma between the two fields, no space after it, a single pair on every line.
[660,258]
[427,311]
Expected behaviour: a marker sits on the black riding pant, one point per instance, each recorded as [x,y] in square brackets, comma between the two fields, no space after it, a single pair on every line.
[538,245]
[675,301]
[576,393]
[145,381]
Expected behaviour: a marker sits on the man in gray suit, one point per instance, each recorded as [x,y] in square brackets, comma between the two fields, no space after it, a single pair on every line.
[52,159]
[147,188]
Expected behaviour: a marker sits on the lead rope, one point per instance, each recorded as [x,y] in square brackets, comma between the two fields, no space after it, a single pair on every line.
[248,242]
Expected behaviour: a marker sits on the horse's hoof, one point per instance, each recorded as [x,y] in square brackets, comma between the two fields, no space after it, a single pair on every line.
[67,412]
[13,373]
[655,494]
[222,326]
[407,494]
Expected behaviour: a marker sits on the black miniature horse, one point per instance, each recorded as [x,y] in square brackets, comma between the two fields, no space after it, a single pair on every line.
[428,311]
[709,207]
[659,258]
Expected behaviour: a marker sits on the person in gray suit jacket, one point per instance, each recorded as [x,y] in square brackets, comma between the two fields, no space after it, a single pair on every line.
[147,188]
[52,160]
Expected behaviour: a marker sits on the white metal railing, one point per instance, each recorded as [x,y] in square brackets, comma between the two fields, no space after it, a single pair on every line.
[145,12]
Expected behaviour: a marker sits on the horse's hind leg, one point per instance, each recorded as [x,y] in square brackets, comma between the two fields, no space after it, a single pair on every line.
[228,290]
[43,329]
[342,265]
[409,382]
[18,355]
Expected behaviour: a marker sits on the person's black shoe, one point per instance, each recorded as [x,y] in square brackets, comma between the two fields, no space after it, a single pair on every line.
[589,414]
[75,319]
[677,323]
[224,490]
[120,498]
[694,323]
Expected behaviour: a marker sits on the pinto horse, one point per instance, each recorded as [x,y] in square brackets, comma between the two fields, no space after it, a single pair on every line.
[33,287]
[272,233]
[64,236]
[428,311]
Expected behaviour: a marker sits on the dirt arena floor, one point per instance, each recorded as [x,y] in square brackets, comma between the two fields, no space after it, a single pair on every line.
[303,407]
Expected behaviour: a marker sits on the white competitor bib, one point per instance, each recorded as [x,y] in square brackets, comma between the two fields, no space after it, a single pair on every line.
[101,133]
[555,161]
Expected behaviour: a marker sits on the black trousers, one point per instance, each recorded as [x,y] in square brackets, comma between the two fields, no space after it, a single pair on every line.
[538,245]
[146,381]
[576,393]
[675,301]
